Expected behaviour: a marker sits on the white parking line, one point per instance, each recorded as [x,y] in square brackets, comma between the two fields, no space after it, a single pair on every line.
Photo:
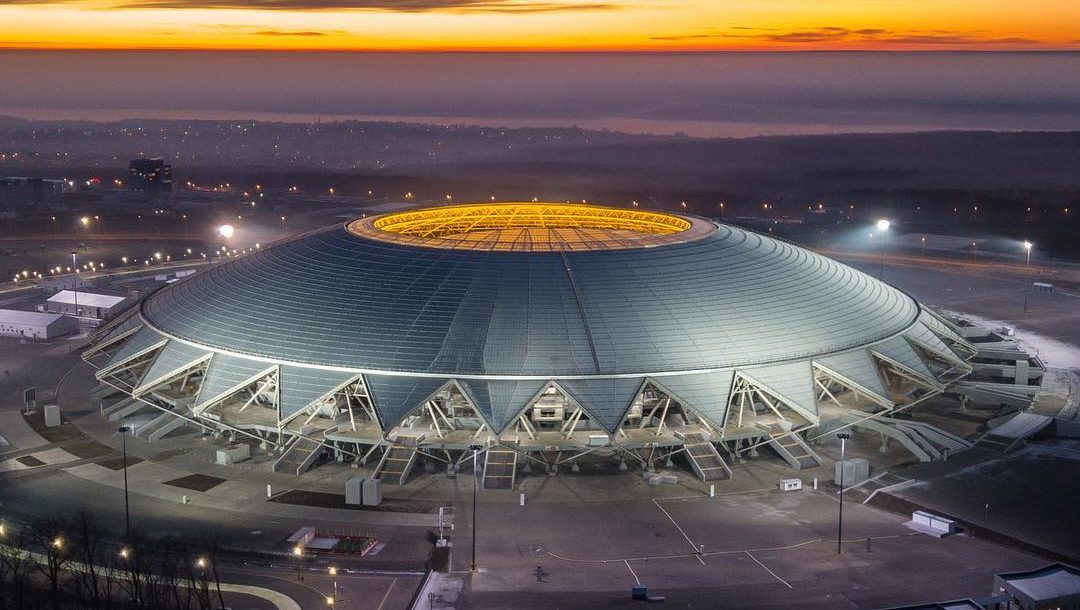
[768,570]
[693,546]
[636,579]
[388,590]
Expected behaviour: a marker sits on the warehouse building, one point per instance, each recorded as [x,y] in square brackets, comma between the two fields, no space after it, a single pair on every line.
[35,325]
[87,304]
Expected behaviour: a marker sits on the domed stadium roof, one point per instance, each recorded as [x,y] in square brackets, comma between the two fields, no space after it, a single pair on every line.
[505,297]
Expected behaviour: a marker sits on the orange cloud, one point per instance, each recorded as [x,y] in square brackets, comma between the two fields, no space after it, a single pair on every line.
[539,25]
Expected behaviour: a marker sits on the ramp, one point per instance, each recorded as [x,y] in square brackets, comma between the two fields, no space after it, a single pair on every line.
[792,448]
[500,466]
[936,436]
[861,492]
[157,428]
[103,391]
[705,459]
[1014,432]
[396,464]
[921,449]
[924,441]
[299,456]
[123,408]
[1020,396]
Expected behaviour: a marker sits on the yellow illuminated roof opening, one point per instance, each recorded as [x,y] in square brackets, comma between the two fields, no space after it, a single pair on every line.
[531,227]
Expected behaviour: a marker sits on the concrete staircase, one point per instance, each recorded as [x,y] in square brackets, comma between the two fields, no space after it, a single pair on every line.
[704,459]
[299,456]
[500,465]
[792,448]
[396,464]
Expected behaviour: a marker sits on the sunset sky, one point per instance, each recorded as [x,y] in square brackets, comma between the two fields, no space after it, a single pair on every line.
[558,25]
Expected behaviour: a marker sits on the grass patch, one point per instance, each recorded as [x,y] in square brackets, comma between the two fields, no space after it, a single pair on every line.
[196,482]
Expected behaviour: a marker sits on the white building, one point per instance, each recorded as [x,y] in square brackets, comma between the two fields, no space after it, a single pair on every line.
[90,305]
[35,325]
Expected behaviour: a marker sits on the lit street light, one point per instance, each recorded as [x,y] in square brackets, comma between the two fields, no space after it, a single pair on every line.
[883,225]
[1027,249]
[298,552]
[226,231]
[333,600]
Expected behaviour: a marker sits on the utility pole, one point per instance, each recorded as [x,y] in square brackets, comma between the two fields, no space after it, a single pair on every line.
[75,279]
[843,436]
[475,451]
[127,507]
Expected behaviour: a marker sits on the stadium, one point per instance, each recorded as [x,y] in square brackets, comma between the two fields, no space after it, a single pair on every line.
[530,334]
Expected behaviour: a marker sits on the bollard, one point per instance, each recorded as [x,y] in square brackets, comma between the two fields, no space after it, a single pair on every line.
[868,544]
[269,492]
[712,490]
[522,499]
[183,499]
[815,483]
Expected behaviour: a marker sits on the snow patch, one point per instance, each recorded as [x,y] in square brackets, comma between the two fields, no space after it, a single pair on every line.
[1052,352]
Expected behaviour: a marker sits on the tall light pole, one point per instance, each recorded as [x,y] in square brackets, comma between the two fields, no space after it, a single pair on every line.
[298,552]
[75,279]
[1027,250]
[333,572]
[475,450]
[843,436]
[123,430]
[883,225]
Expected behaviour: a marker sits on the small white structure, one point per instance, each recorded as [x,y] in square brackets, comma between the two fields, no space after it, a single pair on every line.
[372,492]
[790,484]
[928,523]
[52,416]
[856,470]
[233,454]
[354,491]
[34,324]
[89,304]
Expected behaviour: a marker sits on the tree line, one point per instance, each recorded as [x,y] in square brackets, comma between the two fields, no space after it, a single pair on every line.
[66,564]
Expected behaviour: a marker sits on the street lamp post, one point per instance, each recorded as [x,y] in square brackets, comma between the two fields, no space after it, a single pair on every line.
[333,600]
[123,430]
[475,450]
[883,225]
[843,436]
[75,279]
[298,551]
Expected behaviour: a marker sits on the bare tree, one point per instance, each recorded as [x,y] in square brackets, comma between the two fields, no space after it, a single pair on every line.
[52,555]
[212,544]
[87,569]
[16,568]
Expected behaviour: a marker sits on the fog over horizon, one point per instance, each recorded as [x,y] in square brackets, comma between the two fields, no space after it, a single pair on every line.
[700,94]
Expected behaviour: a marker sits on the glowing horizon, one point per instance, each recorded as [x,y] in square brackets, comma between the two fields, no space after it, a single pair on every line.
[538,25]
